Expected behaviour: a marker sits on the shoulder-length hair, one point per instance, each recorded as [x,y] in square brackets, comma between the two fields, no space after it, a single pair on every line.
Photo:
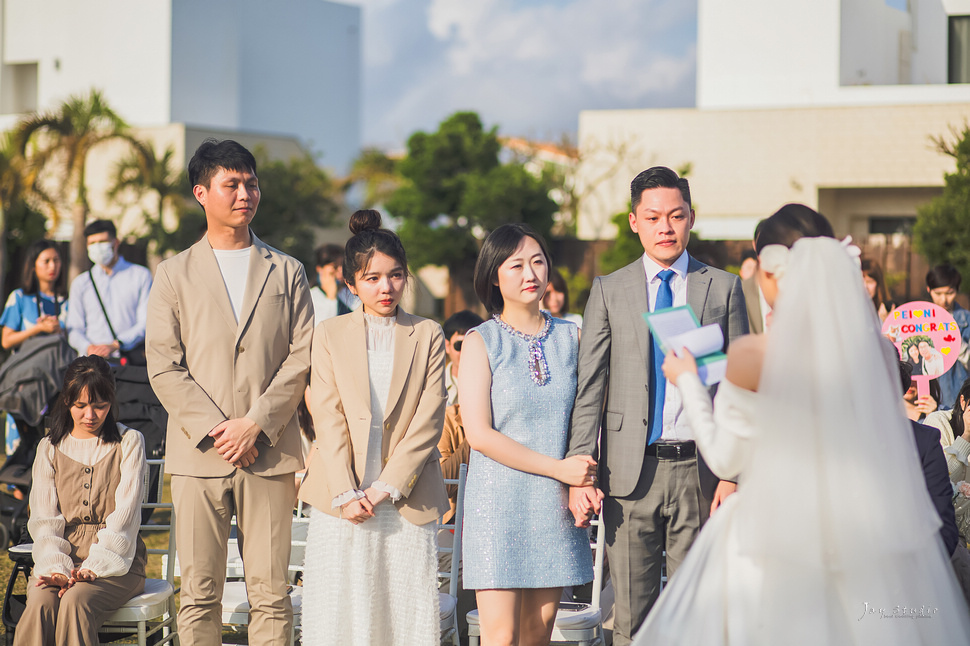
[29,283]
[497,248]
[90,374]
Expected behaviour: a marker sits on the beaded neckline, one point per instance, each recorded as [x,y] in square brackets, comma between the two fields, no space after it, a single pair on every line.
[538,368]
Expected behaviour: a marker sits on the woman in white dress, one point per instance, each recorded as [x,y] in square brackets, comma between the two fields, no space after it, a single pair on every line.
[377,396]
[831,538]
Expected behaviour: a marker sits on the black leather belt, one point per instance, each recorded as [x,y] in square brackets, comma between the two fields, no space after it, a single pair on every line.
[673,450]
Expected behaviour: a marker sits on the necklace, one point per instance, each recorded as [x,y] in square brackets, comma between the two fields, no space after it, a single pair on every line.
[538,368]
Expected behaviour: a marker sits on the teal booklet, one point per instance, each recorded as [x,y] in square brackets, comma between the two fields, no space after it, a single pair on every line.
[678,327]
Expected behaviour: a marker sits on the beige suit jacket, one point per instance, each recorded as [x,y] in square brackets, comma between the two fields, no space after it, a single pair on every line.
[205,368]
[413,417]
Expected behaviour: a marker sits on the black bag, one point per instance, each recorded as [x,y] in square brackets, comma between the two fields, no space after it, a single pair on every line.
[134,356]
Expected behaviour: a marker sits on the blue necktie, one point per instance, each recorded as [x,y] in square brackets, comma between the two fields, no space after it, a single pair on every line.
[658,383]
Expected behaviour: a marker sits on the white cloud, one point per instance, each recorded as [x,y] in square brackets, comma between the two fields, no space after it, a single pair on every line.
[528,65]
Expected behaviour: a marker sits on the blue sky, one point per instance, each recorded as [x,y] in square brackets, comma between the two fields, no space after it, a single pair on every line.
[528,66]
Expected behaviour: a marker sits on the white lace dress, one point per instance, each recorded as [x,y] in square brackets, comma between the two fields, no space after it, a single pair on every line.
[373,583]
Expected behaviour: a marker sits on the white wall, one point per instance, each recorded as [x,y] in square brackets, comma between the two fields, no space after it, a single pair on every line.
[283,68]
[118,46]
[747,163]
[930,36]
[766,52]
[875,38]
[273,67]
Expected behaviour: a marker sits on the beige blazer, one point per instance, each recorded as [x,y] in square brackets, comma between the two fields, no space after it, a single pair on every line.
[205,368]
[413,417]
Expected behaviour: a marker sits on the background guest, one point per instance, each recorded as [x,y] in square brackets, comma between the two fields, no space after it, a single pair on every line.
[325,295]
[943,284]
[875,283]
[88,557]
[455,327]
[109,303]
[39,306]
[556,299]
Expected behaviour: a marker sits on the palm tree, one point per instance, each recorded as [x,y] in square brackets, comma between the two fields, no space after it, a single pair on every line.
[11,187]
[143,172]
[377,172]
[56,145]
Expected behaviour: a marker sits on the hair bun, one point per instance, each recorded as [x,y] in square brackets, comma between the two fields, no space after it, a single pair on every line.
[365,220]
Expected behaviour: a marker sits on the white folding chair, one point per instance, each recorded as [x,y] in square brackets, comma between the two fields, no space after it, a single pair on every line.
[576,623]
[448,603]
[235,601]
[152,611]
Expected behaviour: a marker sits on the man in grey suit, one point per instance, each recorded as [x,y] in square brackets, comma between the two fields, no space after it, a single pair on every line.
[657,490]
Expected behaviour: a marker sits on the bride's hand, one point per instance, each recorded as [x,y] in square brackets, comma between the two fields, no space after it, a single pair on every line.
[677,364]
[577,471]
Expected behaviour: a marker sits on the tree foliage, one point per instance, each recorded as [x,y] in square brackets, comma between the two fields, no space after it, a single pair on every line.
[377,174]
[942,229]
[56,145]
[296,197]
[456,190]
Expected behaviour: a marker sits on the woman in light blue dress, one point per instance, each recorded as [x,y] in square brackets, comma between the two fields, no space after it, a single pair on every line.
[517,383]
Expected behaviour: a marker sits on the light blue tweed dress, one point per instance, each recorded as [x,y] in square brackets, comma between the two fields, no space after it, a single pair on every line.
[519,532]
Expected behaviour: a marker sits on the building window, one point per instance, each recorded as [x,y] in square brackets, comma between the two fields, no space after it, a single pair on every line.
[890,225]
[18,88]
[959,50]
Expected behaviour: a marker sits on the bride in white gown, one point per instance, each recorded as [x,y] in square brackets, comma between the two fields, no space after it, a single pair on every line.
[831,537]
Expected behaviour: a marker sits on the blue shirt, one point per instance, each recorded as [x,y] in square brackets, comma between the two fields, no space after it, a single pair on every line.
[125,296]
[952,380]
[20,312]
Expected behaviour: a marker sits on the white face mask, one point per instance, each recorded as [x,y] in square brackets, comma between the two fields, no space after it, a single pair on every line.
[101,253]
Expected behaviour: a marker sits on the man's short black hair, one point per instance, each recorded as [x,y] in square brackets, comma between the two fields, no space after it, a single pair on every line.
[460,323]
[657,177]
[945,275]
[101,226]
[213,155]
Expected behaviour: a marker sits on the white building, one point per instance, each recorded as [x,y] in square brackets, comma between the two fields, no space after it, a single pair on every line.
[832,103]
[286,69]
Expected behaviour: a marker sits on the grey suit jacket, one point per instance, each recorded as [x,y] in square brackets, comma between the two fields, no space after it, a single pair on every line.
[614,359]
[206,368]
[752,300]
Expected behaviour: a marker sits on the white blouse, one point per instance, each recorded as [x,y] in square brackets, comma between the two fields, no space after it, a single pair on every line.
[114,550]
[380,367]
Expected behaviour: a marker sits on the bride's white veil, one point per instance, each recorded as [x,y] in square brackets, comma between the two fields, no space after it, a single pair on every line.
[835,504]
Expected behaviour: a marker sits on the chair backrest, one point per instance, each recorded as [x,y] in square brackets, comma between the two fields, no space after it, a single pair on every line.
[599,551]
[456,524]
[167,553]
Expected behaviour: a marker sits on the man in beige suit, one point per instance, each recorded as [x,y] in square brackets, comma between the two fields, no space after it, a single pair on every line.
[228,349]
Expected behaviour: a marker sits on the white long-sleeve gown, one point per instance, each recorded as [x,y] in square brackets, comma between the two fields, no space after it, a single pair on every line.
[725,594]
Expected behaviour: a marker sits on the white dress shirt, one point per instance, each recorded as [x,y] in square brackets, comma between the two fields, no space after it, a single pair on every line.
[675,425]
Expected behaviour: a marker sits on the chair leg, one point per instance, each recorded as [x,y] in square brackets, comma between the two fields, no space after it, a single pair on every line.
[142,639]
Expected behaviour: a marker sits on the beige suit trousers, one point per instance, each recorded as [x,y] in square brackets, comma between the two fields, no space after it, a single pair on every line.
[263,506]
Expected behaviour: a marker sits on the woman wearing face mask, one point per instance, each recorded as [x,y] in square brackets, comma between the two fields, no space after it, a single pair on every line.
[88,481]
[377,396]
[39,306]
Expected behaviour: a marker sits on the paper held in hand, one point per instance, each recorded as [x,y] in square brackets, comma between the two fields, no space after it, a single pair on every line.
[678,327]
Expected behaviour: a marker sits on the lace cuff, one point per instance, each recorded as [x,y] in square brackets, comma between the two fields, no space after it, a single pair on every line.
[960,449]
[345,497]
[393,492]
